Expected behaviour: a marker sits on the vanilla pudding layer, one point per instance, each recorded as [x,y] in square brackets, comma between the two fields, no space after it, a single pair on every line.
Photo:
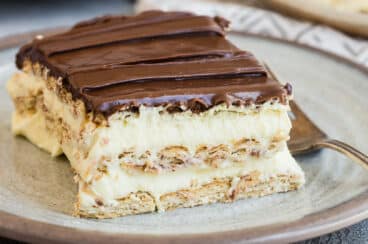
[151,140]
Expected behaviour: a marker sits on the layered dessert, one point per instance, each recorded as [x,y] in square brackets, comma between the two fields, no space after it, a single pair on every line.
[155,112]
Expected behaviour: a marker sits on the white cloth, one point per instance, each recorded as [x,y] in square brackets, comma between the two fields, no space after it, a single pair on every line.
[268,23]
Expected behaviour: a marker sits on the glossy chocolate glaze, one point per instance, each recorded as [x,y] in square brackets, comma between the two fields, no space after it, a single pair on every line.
[173,59]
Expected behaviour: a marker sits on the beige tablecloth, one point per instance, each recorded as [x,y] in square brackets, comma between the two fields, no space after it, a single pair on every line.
[268,23]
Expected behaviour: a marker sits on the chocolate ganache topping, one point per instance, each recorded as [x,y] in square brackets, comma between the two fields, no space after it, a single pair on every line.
[173,59]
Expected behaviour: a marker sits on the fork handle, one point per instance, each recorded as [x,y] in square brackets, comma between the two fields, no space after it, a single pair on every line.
[344,148]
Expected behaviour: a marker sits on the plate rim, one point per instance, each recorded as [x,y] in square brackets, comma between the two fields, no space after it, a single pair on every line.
[319,223]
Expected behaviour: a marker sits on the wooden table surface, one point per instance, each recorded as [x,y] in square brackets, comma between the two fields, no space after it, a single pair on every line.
[24,16]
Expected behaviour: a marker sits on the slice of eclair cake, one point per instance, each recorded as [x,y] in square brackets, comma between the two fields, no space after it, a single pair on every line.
[155,112]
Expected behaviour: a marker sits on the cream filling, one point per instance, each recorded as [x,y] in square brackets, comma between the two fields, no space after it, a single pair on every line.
[154,131]
[22,85]
[151,130]
[32,126]
[117,183]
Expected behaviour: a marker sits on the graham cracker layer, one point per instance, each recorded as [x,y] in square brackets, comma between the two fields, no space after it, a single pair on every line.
[222,190]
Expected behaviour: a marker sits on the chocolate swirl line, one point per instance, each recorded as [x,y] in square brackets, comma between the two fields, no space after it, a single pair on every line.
[97,77]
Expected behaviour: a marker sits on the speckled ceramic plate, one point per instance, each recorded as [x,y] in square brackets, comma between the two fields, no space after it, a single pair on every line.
[37,191]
